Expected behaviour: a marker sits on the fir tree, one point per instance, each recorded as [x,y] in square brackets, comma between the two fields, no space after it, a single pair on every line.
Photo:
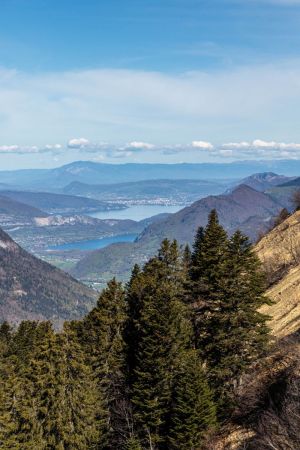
[163,331]
[227,287]
[133,444]
[207,276]
[18,420]
[193,411]
[78,414]
[102,339]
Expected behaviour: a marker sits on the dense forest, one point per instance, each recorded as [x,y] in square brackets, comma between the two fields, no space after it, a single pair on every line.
[154,365]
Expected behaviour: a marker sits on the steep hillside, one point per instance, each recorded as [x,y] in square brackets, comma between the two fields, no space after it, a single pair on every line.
[32,289]
[244,208]
[265,180]
[279,251]
[268,396]
[10,207]
[96,173]
[295,182]
[58,203]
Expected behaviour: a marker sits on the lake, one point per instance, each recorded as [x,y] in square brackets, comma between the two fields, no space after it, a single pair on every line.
[137,212]
[95,243]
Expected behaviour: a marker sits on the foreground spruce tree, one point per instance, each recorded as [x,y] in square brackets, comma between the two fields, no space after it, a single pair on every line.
[226,289]
[102,340]
[19,426]
[163,332]
[193,410]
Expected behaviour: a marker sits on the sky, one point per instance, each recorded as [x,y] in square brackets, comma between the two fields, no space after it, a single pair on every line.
[148,81]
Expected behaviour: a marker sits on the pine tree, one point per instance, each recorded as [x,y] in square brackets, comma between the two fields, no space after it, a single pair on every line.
[17,414]
[6,335]
[134,293]
[162,331]
[18,421]
[193,411]
[227,288]
[78,413]
[133,444]
[64,400]
[102,340]
[207,276]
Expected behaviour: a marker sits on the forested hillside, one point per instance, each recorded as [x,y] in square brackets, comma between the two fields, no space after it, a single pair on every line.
[32,289]
[153,366]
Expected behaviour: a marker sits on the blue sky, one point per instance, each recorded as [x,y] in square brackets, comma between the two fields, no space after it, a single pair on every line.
[148,80]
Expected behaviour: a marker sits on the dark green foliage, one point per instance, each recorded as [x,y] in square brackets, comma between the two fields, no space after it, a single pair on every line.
[227,288]
[163,331]
[193,411]
[133,444]
[151,366]
[50,401]
[102,340]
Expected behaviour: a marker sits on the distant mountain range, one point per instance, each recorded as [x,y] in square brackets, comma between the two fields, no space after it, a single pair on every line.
[266,180]
[180,191]
[99,173]
[59,203]
[243,208]
[32,289]
[283,193]
[15,208]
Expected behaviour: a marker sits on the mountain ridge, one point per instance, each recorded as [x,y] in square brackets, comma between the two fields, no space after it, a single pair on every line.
[243,208]
[33,289]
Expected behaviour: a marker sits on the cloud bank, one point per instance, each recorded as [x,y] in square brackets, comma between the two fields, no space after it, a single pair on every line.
[258,148]
[126,113]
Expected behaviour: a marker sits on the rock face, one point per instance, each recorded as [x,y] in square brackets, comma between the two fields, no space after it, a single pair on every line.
[279,251]
[31,289]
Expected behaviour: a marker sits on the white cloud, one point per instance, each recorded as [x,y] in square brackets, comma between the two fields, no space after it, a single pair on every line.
[10,149]
[78,143]
[202,145]
[53,147]
[110,103]
[137,145]
[259,148]
[236,145]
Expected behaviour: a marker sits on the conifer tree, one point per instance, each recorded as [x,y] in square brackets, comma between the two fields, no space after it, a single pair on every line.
[18,419]
[17,413]
[193,411]
[134,293]
[65,401]
[227,289]
[163,331]
[133,444]
[207,276]
[6,334]
[78,416]
[102,340]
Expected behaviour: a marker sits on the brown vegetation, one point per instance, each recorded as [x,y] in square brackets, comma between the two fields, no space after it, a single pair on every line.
[267,415]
